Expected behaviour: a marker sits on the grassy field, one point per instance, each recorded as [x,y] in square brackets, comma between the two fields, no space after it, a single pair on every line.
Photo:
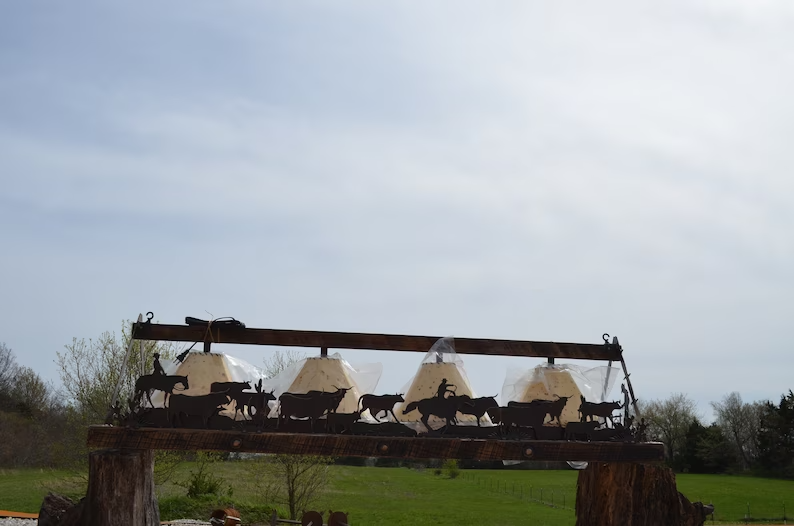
[731,495]
[402,496]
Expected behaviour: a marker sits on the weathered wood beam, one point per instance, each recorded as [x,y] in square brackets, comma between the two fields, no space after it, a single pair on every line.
[371,446]
[383,342]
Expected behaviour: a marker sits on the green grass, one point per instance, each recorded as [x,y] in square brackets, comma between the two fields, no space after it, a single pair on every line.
[24,489]
[402,496]
[730,495]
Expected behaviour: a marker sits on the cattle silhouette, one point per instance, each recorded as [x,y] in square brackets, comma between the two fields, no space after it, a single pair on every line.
[477,407]
[590,410]
[379,403]
[311,405]
[445,408]
[203,406]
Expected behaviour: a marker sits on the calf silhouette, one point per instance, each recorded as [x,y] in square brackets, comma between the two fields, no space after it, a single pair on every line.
[379,403]
[521,416]
[341,422]
[574,430]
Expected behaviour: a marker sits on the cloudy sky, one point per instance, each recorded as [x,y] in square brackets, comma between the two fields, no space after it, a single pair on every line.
[526,170]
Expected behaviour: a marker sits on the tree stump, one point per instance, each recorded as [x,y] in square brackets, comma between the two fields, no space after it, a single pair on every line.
[120,489]
[624,494]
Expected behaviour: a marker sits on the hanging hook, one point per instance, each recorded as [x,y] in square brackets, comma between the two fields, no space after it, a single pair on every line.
[149,317]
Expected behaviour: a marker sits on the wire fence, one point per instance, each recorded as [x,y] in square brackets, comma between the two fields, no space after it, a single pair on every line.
[751,516]
[552,497]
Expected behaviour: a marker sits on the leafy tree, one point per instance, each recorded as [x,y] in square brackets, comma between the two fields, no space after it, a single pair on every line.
[776,437]
[91,369]
[740,422]
[31,419]
[706,450]
[669,420]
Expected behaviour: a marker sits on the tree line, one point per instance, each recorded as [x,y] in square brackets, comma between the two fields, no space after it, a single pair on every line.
[753,437]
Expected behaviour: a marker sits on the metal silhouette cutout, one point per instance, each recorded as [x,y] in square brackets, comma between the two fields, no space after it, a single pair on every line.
[300,412]
[378,404]
[311,405]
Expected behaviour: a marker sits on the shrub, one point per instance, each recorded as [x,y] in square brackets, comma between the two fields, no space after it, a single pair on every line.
[451,468]
[202,481]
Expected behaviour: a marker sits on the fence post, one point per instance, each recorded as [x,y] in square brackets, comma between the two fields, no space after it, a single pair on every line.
[274,518]
[541,495]
[552,498]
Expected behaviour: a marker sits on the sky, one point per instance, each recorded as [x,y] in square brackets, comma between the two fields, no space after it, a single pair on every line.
[521,170]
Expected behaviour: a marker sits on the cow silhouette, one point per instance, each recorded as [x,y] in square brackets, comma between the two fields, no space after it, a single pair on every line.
[311,405]
[590,410]
[379,403]
[202,406]
[441,407]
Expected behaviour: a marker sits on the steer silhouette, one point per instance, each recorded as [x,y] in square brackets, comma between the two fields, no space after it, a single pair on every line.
[590,410]
[311,405]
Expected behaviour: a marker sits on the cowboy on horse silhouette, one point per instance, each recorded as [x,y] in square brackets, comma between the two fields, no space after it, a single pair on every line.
[444,388]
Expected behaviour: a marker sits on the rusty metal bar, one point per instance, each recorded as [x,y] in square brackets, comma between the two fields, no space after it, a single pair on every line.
[382,342]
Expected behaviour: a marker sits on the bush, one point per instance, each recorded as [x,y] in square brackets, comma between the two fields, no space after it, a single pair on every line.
[203,481]
[451,468]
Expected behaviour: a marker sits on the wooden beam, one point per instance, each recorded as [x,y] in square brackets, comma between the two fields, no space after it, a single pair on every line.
[371,446]
[383,342]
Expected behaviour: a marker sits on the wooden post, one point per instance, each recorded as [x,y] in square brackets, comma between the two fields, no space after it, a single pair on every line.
[120,489]
[627,494]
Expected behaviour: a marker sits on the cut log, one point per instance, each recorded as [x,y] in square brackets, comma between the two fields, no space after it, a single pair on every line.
[627,494]
[120,489]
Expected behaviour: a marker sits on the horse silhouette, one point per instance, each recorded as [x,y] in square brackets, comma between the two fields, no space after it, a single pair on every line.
[150,382]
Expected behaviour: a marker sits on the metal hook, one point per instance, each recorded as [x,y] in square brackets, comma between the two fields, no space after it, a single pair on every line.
[149,317]
[605,337]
